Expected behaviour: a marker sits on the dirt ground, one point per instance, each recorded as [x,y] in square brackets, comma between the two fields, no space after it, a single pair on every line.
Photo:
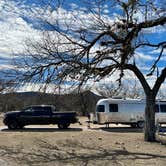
[78,146]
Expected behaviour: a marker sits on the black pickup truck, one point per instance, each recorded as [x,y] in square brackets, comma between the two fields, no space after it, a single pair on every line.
[39,115]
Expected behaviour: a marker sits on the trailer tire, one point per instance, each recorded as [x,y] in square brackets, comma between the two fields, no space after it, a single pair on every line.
[140,124]
[63,125]
[94,122]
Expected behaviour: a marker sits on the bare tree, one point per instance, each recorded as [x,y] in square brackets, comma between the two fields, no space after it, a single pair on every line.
[92,43]
[127,90]
[110,90]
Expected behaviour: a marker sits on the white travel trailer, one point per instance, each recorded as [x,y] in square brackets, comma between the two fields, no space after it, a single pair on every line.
[126,111]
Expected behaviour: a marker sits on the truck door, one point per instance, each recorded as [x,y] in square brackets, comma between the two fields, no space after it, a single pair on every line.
[42,115]
[27,116]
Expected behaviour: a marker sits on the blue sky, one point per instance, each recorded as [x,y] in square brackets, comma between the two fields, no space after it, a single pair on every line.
[17,23]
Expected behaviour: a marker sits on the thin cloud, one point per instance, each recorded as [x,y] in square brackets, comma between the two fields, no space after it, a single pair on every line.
[143,57]
[14,30]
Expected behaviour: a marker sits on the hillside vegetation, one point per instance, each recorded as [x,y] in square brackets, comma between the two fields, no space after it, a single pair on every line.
[82,103]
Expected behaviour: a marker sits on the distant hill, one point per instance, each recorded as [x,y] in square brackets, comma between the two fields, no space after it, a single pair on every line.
[82,103]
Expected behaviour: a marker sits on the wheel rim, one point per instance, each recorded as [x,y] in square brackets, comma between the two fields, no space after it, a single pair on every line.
[63,126]
[13,125]
[141,124]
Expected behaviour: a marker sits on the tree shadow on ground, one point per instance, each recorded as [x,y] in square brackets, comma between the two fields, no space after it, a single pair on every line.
[73,151]
[120,129]
[42,129]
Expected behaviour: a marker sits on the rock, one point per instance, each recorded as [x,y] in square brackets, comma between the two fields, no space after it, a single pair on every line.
[119,143]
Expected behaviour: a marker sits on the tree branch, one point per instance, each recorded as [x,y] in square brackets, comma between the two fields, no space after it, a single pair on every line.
[139,75]
[159,81]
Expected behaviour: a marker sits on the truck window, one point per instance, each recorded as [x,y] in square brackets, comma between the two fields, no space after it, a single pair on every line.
[27,110]
[100,108]
[113,108]
[48,109]
[42,110]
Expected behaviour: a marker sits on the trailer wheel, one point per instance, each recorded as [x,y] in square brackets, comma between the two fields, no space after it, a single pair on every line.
[13,125]
[140,124]
[63,125]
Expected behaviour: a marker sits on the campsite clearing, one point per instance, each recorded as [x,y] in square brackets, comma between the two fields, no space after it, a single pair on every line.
[78,145]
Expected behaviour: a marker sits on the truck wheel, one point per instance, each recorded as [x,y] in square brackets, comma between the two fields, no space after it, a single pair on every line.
[140,124]
[13,125]
[63,125]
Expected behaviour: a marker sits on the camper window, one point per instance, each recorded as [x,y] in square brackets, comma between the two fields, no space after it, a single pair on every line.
[163,108]
[157,108]
[100,108]
[113,108]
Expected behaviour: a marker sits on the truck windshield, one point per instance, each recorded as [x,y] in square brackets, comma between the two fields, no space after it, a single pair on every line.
[100,108]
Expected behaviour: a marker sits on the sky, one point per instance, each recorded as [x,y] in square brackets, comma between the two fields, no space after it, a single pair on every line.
[18,22]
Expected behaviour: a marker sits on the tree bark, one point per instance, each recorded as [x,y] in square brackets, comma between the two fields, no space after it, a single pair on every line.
[149,129]
[149,133]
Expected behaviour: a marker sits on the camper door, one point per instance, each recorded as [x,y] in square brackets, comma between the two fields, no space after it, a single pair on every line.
[100,113]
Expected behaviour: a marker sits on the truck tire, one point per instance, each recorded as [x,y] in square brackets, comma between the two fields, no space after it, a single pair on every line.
[13,125]
[140,124]
[63,125]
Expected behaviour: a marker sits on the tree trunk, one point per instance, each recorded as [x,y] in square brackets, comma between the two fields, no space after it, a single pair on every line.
[150,119]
